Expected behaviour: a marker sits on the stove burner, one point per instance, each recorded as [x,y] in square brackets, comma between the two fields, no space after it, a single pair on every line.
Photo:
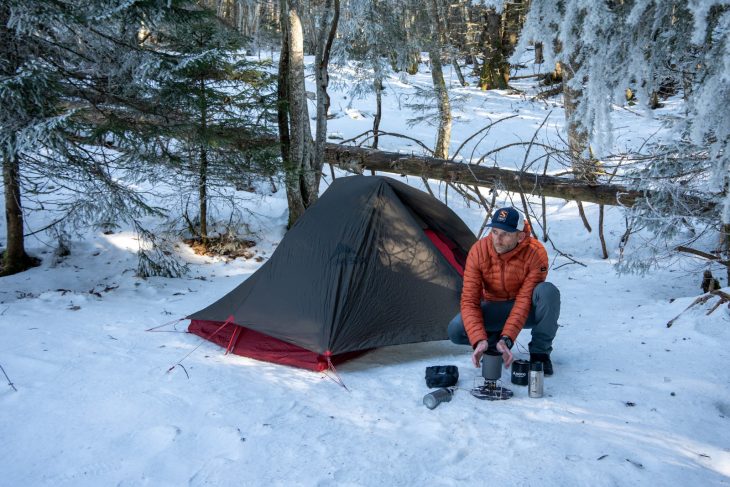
[491,390]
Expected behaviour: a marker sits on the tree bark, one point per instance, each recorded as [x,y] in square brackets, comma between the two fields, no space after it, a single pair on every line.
[359,158]
[513,17]
[539,59]
[300,135]
[495,69]
[327,30]
[14,259]
[378,104]
[604,250]
[203,194]
[583,163]
[282,89]
[305,156]
[443,138]
[203,169]
[457,70]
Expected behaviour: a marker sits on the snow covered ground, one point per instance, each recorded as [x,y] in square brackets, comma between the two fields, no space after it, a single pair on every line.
[632,402]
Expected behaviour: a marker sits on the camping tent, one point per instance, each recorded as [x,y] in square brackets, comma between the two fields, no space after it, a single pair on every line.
[374,262]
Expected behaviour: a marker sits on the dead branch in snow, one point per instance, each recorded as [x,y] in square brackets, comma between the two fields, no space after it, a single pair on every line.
[10,383]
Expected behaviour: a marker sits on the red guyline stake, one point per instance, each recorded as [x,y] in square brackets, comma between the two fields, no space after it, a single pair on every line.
[339,380]
[232,342]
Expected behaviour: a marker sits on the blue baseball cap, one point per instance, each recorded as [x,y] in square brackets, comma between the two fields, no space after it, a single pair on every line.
[508,219]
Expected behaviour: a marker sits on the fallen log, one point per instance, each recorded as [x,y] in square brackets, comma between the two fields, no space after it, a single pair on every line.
[359,158]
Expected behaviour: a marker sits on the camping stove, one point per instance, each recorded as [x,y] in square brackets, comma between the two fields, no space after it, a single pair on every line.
[491,389]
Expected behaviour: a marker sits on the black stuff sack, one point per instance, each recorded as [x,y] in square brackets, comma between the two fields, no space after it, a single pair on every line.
[442,375]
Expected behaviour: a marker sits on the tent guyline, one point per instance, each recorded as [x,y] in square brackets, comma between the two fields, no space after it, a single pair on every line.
[179,362]
[10,383]
[229,348]
[156,329]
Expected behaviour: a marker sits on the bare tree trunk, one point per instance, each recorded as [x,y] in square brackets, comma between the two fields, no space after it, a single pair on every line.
[291,173]
[443,138]
[539,58]
[300,135]
[413,57]
[544,205]
[377,85]
[457,70]
[513,17]
[604,250]
[327,30]
[725,229]
[203,169]
[495,69]
[305,156]
[203,194]
[577,135]
[282,89]
[15,259]
[378,104]
[726,238]
[582,162]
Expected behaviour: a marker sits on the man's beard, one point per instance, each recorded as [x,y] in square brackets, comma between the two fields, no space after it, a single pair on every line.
[504,249]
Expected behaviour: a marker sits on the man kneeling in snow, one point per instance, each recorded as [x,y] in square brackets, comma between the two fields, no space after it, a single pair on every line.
[505,291]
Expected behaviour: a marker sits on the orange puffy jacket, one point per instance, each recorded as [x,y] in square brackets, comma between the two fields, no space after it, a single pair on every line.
[501,277]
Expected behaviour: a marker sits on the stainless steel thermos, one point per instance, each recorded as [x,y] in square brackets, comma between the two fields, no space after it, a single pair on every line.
[536,380]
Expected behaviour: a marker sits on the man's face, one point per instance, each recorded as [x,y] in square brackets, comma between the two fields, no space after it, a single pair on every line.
[505,241]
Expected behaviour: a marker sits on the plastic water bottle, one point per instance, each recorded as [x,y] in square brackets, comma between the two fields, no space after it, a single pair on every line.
[537,380]
[433,399]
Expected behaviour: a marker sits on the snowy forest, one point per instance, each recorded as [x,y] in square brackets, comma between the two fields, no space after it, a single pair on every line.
[103,99]
[155,153]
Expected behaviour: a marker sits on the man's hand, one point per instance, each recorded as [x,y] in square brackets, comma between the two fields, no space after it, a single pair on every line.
[479,350]
[507,357]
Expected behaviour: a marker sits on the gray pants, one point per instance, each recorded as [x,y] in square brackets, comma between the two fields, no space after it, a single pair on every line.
[543,320]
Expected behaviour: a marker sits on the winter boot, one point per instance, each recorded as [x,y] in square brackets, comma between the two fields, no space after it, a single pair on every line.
[547,365]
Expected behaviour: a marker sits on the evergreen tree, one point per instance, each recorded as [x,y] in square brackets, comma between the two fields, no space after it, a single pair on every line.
[85,88]
[27,118]
[652,46]
[222,110]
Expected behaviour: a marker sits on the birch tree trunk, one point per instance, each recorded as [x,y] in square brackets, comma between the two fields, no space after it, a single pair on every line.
[300,135]
[443,138]
[304,158]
